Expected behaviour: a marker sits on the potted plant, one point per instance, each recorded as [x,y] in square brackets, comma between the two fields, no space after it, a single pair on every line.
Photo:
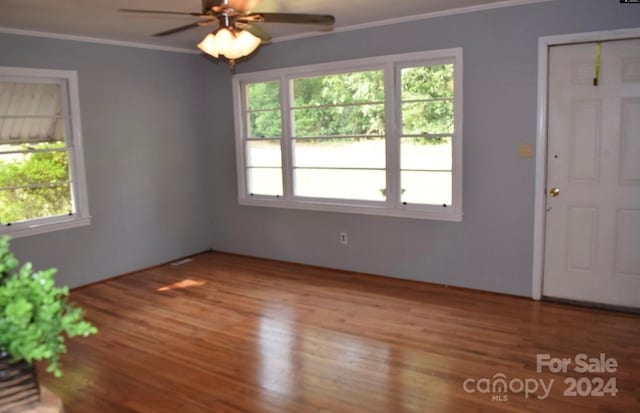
[34,319]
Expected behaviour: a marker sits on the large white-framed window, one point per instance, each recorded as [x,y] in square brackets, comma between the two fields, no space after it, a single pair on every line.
[42,173]
[380,136]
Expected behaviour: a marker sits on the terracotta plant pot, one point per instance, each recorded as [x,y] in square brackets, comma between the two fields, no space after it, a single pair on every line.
[19,388]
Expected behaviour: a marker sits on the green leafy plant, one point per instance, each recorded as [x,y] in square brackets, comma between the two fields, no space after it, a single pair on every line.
[47,164]
[35,314]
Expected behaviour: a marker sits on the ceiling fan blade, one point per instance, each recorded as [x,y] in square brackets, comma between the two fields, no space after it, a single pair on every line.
[258,32]
[181,28]
[162,12]
[297,18]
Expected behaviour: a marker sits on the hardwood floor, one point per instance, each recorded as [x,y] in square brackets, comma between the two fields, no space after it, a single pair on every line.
[226,333]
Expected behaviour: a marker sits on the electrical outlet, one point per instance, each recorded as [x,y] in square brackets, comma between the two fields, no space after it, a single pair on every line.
[344,239]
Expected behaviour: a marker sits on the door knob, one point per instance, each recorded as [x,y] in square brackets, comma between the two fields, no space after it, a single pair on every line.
[554,192]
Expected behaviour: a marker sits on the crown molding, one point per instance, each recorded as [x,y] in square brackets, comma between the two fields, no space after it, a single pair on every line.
[415,17]
[87,39]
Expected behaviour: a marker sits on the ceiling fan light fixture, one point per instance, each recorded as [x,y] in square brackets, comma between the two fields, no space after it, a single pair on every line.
[231,44]
[237,36]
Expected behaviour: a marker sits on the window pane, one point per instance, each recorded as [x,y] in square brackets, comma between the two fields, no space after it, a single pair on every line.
[429,82]
[29,203]
[265,95]
[426,153]
[427,117]
[339,120]
[31,131]
[264,181]
[342,88]
[265,124]
[340,184]
[33,168]
[30,113]
[264,153]
[433,188]
[426,163]
[345,153]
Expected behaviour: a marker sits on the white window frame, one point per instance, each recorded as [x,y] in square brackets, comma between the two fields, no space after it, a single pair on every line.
[392,206]
[69,95]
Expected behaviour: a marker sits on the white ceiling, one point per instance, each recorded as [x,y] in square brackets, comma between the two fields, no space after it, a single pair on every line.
[100,18]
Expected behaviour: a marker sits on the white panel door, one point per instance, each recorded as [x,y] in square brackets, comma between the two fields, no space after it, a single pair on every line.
[592,247]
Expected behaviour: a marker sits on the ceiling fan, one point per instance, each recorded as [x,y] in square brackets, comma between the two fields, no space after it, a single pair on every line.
[236,35]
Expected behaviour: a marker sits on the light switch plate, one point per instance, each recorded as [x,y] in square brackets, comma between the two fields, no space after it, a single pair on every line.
[525,150]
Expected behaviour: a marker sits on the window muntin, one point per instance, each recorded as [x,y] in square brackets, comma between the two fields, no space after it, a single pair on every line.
[41,168]
[362,137]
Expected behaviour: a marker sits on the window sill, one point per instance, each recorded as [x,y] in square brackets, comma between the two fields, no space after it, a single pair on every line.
[25,229]
[446,214]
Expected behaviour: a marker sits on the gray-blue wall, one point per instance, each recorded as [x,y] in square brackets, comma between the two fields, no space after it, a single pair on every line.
[492,248]
[144,131]
[159,148]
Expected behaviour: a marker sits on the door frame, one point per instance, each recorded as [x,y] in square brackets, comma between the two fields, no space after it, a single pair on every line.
[540,196]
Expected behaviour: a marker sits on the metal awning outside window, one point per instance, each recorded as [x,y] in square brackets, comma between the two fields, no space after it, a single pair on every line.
[30,113]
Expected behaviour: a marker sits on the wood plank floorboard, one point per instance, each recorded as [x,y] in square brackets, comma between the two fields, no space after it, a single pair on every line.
[231,334]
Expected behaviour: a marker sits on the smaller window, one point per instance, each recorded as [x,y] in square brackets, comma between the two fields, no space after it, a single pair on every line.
[42,185]
[262,139]
[426,143]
